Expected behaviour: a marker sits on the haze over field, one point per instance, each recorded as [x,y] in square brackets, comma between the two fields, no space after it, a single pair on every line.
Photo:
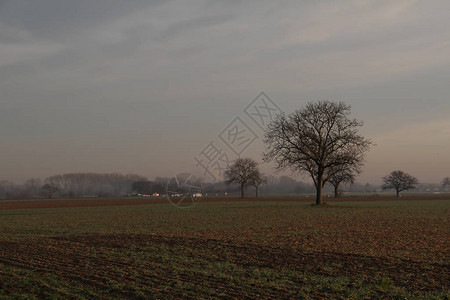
[142,87]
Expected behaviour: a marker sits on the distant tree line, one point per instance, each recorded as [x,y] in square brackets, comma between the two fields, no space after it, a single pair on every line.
[92,184]
[72,185]
[115,185]
[147,187]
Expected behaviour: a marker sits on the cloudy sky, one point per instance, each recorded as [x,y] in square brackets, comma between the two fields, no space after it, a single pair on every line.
[144,86]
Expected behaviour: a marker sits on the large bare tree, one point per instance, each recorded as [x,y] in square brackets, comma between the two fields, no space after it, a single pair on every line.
[399,181]
[313,140]
[242,171]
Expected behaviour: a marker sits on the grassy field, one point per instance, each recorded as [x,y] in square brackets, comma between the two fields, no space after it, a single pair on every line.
[273,248]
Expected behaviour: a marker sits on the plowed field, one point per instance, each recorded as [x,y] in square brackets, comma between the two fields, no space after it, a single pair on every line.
[272,248]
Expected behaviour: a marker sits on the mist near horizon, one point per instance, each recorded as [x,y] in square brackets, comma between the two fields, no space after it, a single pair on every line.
[145,88]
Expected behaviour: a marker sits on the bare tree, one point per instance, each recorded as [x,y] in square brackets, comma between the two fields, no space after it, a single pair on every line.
[342,176]
[446,181]
[400,181]
[49,190]
[316,139]
[241,171]
[257,179]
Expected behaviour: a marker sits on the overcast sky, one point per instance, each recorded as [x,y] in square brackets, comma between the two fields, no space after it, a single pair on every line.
[143,86]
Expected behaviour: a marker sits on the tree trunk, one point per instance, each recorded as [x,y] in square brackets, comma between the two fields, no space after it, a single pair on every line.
[242,191]
[398,193]
[336,193]
[256,193]
[319,188]
[319,195]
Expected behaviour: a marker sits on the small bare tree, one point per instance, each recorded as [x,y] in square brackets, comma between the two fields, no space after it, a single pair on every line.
[241,172]
[49,189]
[316,139]
[446,181]
[341,176]
[400,181]
[257,179]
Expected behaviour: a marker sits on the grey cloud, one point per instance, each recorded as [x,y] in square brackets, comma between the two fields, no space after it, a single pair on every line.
[181,27]
[161,74]
[53,19]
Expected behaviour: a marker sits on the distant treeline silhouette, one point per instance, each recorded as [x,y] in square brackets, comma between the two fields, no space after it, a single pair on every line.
[72,185]
[93,184]
[116,185]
